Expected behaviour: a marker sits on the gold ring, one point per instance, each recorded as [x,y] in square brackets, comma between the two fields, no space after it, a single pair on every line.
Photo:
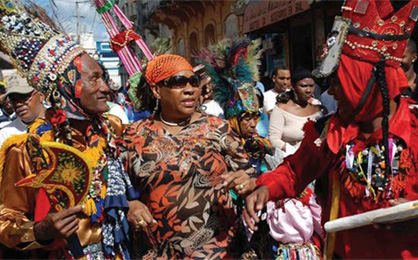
[141,223]
[241,187]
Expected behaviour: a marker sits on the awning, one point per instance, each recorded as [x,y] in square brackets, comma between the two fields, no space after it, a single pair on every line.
[260,13]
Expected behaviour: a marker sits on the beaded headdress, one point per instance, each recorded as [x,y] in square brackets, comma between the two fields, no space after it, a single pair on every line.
[369,31]
[233,69]
[38,51]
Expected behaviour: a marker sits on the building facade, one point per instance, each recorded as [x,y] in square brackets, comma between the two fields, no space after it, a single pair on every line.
[293,31]
[194,25]
[189,25]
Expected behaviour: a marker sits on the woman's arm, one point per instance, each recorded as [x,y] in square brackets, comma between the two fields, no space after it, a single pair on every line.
[241,171]
[276,126]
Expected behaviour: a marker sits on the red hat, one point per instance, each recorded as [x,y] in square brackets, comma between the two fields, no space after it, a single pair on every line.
[369,31]
[377,31]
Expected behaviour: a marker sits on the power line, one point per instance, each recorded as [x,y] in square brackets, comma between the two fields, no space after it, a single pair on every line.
[54,14]
[78,16]
[94,20]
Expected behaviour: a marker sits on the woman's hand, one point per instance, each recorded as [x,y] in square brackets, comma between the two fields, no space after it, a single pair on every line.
[239,181]
[139,216]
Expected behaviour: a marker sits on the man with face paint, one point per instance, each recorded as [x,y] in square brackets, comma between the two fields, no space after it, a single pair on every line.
[365,156]
[234,78]
[34,215]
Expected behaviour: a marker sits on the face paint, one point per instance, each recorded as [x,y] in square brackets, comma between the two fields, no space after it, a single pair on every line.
[72,76]
[77,89]
[77,63]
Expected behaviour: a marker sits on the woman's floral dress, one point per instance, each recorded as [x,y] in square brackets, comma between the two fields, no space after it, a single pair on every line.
[178,178]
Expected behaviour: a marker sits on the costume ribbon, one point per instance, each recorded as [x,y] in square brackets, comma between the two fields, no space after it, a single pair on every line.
[106,7]
[121,39]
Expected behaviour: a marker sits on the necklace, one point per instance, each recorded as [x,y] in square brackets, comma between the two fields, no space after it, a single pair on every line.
[183,123]
[367,174]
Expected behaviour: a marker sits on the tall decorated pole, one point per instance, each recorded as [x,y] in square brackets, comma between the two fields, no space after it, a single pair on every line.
[119,41]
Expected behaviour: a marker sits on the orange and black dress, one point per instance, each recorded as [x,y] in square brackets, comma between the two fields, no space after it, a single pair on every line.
[178,178]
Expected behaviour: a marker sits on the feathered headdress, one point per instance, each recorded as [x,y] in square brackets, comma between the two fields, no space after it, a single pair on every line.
[233,68]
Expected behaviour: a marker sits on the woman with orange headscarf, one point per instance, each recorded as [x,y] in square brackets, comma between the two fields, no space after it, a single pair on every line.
[182,163]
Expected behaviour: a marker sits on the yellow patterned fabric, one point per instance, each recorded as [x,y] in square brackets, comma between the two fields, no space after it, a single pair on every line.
[16,229]
[67,170]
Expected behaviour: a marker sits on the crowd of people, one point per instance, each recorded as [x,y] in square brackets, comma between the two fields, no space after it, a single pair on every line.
[215,165]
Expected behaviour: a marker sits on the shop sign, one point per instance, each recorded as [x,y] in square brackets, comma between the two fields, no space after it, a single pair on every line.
[262,13]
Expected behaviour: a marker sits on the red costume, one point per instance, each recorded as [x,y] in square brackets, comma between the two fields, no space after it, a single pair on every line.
[290,179]
[336,152]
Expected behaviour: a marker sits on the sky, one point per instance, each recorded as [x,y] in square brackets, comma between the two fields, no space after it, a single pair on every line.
[66,12]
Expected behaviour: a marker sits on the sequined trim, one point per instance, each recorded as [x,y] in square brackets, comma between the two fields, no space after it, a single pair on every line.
[306,251]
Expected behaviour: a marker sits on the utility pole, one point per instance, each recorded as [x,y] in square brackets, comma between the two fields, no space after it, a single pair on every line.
[78,16]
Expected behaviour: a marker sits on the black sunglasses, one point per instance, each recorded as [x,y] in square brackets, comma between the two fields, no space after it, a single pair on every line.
[179,82]
[24,98]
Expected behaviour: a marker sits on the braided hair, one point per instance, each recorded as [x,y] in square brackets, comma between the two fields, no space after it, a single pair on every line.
[284,97]
[381,77]
[146,97]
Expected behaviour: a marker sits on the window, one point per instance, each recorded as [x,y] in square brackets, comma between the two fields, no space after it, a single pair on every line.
[209,35]
[194,48]
[180,47]
[231,26]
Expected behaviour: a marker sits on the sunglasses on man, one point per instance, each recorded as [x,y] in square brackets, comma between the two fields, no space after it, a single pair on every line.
[23,98]
[180,82]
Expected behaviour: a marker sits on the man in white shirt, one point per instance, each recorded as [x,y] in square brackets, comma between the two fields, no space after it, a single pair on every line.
[27,103]
[281,78]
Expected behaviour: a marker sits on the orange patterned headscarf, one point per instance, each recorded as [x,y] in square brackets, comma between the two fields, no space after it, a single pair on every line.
[165,66]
